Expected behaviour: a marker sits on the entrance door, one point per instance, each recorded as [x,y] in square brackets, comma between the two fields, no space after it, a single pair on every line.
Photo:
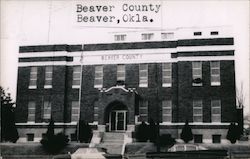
[118,120]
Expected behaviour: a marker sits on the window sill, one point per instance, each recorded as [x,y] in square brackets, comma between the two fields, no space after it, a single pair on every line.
[215,84]
[143,85]
[166,85]
[32,87]
[47,86]
[197,85]
[76,86]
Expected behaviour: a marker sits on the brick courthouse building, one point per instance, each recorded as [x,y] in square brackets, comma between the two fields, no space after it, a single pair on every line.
[166,75]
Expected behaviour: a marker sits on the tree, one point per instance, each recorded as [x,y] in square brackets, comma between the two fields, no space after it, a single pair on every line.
[85,132]
[53,143]
[152,131]
[8,127]
[142,132]
[233,133]
[186,134]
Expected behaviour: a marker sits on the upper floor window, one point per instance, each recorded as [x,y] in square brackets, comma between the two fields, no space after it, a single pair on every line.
[76,77]
[47,110]
[197,33]
[167,111]
[98,77]
[166,75]
[31,111]
[121,37]
[215,110]
[48,77]
[120,72]
[197,73]
[75,111]
[167,35]
[143,75]
[143,110]
[197,111]
[215,73]
[33,78]
[147,36]
[214,33]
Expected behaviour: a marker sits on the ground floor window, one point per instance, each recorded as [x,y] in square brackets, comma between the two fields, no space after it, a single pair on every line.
[216,138]
[30,137]
[198,138]
[73,137]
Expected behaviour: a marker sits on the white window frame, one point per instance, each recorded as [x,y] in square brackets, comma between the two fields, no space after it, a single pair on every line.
[143,80]
[194,72]
[147,36]
[215,75]
[143,105]
[46,110]
[166,74]
[121,73]
[200,108]
[33,72]
[76,76]
[215,115]
[48,72]
[120,37]
[98,70]
[75,111]
[167,106]
[31,112]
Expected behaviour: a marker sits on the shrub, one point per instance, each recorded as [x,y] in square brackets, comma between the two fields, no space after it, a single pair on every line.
[166,140]
[142,132]
[53,143]
[85,132]
[186,134]
[152,131]
[233,133]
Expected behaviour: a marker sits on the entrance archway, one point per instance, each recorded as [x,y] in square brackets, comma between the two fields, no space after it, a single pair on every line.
[116,116]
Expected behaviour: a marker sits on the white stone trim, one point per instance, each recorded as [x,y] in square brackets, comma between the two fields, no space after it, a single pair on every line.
[43,54]
[197,123]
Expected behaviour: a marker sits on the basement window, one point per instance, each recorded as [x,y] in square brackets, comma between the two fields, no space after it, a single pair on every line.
[197,33]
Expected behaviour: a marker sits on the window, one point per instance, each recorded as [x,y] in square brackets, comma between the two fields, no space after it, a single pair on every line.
[76,77]
[143,109]
[33,78]
[166,75]
[214,33]
[46,110]
[215,110]
[73,137]
[197,33]
[75,111]
[98,77]
[198,138]
[197,111]
[197,73]
[167,111]
[31,111]
[148,36]
[216,138]
[143,75]
[215,73]
[120,72]
[30,137]
[120,37]
[167,35]
[48,77]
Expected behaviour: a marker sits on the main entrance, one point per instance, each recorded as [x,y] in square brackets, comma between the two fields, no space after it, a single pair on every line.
[117,120]
[116,116]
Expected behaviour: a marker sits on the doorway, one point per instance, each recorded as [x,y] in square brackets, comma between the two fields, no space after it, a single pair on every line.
[117,120]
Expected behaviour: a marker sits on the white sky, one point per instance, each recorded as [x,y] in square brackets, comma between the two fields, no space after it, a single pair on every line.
[25,22]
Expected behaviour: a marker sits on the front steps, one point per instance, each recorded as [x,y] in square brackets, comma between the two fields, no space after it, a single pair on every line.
[113,142]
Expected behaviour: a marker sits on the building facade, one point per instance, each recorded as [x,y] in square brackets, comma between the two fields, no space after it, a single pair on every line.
[169,76]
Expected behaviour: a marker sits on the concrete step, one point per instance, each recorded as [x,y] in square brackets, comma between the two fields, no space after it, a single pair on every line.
[110,137]
[112,148]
